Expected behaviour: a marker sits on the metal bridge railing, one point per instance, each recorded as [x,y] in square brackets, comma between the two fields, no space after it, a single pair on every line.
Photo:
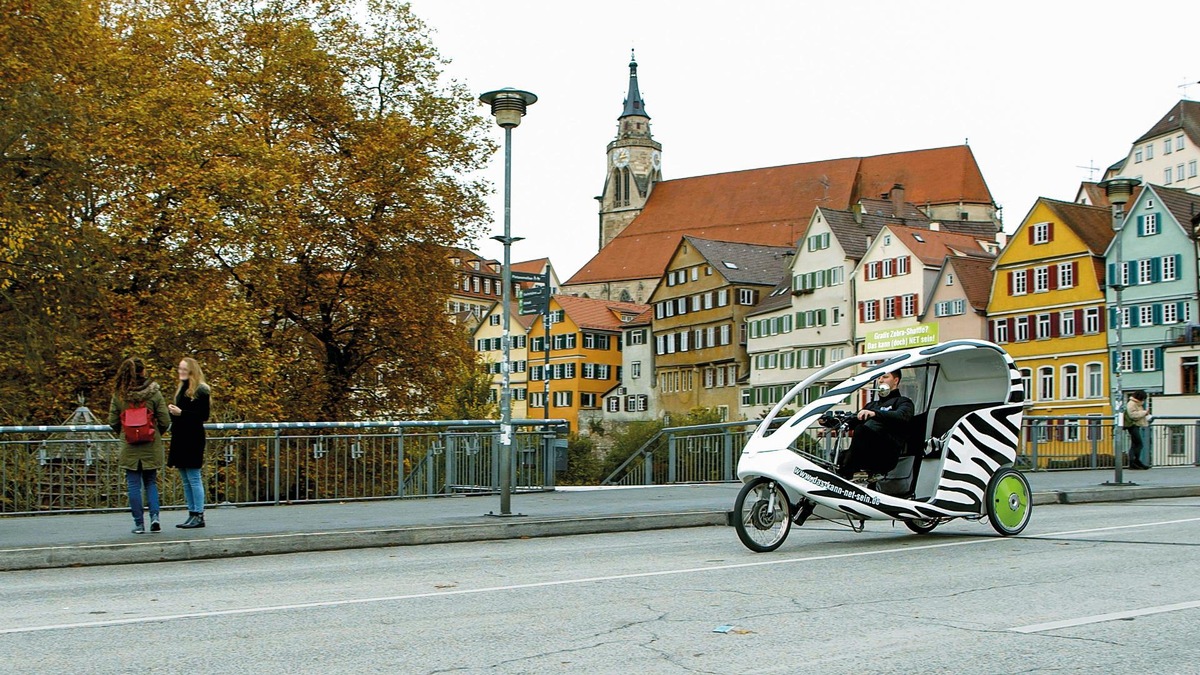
[709,453]
[47,469]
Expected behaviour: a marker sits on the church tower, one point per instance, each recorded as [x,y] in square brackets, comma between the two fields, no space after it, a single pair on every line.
[634,165]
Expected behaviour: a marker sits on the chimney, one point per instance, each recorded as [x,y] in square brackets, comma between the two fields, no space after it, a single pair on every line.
[1002,239]
[857,210]
[935,226]
[897,196]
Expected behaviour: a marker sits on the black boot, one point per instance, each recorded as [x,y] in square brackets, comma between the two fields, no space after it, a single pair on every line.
[197,520]
[191,519]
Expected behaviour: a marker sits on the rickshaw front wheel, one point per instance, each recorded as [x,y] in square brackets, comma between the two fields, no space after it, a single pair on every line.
[1009,501]
[762,515]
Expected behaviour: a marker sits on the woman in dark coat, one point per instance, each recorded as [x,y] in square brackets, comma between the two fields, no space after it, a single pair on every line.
[141,460]
[189,412]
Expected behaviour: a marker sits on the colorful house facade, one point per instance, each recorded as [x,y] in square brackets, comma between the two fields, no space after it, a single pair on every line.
[1153,258]
[585,355]
[1047,308]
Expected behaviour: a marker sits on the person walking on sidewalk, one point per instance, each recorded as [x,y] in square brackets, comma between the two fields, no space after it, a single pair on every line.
[190,411]
[138,413]
[1136,419]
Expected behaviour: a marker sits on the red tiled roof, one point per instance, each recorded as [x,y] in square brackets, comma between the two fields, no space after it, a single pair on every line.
[936,244]
[975,275]
[531,266]
[773,205]
[598,314]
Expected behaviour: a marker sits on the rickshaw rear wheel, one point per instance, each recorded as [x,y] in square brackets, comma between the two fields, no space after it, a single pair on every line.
[922,525]
[762,515]
[1009,501]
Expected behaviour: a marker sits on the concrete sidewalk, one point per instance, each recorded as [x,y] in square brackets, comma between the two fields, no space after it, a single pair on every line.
[35,542]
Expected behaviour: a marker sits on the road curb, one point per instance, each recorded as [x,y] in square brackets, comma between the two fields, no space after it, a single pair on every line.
[1121,493]
[232,547]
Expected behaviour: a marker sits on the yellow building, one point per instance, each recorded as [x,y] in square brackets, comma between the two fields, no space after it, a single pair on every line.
[585,355]
[488,338]
[1047,310]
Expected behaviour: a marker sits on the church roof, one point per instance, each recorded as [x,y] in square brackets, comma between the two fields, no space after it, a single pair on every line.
[634,105]
[772,206]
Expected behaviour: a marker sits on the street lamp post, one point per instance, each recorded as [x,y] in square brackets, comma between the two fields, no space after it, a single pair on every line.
[508,107]
[1119,191]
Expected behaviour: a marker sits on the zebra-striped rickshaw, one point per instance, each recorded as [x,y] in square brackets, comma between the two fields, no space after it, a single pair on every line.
[958,462]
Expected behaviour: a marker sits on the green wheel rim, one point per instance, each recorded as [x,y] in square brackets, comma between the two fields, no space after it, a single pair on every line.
[1011,505]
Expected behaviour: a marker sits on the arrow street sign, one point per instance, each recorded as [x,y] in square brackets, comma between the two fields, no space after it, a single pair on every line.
[529,277]
[535,300]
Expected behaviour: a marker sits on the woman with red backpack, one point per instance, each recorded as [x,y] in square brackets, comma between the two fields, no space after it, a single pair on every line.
[138,413]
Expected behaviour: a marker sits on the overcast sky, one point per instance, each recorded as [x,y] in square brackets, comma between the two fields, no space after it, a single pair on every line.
[1038,89]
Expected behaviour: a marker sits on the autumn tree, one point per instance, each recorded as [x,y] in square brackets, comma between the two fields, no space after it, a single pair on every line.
[469,396]
[266,185]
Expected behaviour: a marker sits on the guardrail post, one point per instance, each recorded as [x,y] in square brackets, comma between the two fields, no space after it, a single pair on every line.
[277,443]
[648,468]
[549,458]
[400,463]
[671,457]
[1094,442]
[1033,444]
[1196,444]
[727,439]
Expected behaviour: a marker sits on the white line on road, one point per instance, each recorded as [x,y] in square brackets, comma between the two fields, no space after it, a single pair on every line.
[1101,618]
[559,582]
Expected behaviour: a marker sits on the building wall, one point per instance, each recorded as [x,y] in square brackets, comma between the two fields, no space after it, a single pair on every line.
[684,375]
[967,324]
[1085,350]
[872,295]
[1152,302]
[631,290]
[635,397]
[815,328]
[568,392]
[487,344]
[1149,160]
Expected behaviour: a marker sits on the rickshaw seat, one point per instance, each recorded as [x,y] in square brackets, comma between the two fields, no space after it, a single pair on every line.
[900,480]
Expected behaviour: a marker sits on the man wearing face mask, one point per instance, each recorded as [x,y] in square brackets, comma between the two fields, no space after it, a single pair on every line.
[880,430]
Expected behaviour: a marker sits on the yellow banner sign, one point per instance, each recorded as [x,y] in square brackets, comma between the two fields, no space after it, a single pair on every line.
[888,339]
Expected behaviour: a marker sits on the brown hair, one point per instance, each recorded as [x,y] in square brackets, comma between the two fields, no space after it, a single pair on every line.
[130,375]
[195,378]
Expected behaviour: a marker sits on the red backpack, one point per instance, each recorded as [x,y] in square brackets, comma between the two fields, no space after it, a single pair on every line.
[138,423]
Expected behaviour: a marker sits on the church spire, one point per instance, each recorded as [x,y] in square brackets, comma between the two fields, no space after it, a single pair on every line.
[634,105]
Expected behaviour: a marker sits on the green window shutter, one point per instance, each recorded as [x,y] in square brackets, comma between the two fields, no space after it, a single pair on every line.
[1158,314]
[1141,226]
[1156,269]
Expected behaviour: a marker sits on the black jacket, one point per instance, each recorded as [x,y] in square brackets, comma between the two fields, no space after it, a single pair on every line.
[893,413]
[187,429]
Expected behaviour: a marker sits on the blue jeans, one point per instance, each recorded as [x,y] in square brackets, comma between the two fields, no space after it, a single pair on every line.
[138,480]
[193,490]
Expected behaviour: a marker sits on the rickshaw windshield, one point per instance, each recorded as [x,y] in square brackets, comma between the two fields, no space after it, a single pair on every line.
[962,371]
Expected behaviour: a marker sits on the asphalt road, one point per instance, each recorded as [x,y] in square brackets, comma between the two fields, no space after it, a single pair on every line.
[1092,588]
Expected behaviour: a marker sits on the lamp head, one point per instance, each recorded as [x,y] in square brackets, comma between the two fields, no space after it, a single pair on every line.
[508,105]
[1119,189]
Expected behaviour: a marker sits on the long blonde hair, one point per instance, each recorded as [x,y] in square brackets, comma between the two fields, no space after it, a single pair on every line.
[195,378]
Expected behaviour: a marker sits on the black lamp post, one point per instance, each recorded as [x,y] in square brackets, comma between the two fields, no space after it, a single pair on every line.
[1119,191]
[508,107]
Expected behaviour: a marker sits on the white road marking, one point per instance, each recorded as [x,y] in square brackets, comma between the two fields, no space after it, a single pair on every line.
[1101,618]
[559,582]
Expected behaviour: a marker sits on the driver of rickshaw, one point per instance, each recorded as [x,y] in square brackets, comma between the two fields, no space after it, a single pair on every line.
[880,430]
